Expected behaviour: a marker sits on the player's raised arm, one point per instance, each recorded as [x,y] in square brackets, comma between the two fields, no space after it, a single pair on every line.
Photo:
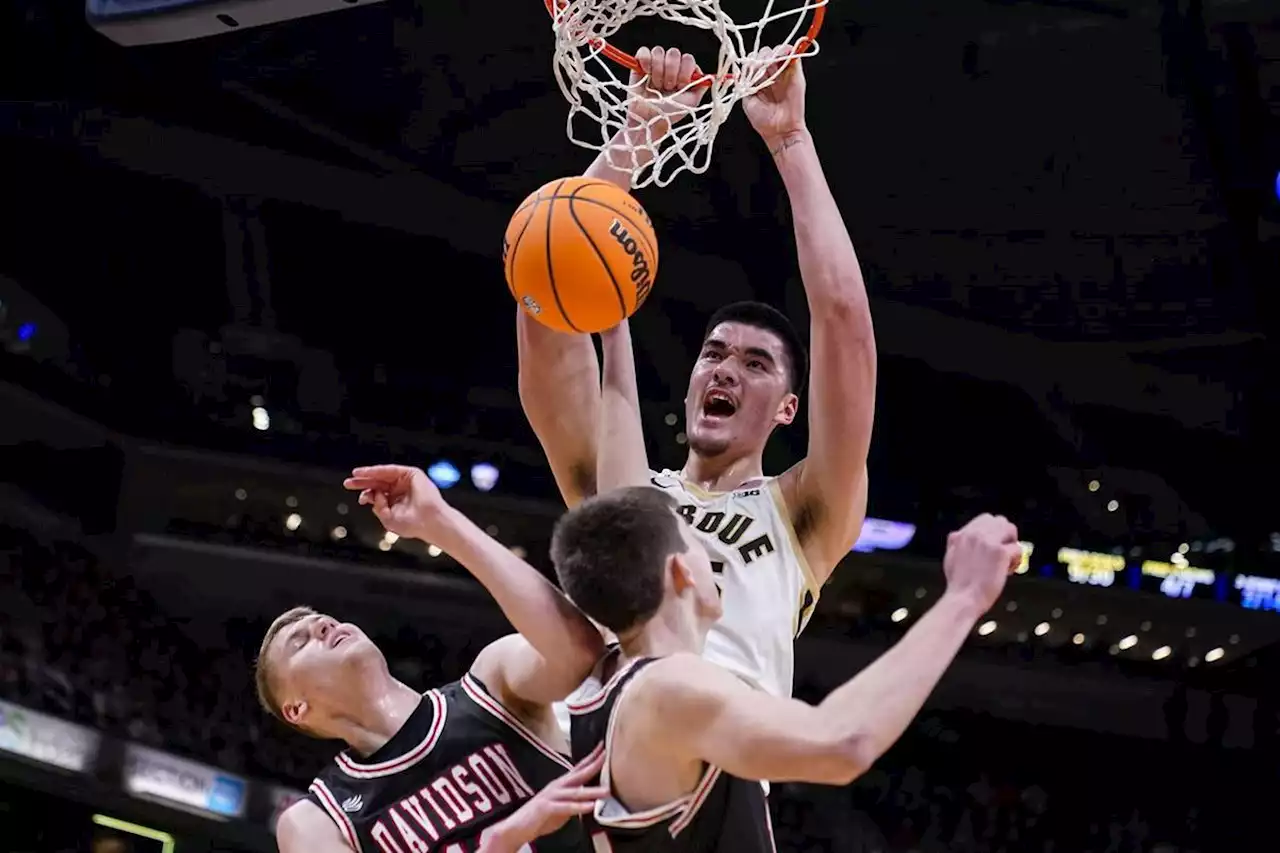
[829,487]
[622,459]
[559,373]
[558,646]
[702,713]
[560,392]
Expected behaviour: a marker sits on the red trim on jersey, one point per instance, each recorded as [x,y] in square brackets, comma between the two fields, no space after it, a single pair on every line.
[410,758]
[477,694]
[330,804]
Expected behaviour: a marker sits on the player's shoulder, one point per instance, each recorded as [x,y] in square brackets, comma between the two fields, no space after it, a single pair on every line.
[680,678]
[304,827]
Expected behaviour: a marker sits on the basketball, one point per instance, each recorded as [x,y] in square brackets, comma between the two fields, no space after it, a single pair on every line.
[580,255]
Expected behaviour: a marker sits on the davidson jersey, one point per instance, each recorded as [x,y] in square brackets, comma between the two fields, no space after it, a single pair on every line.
[723,814]
[458,765]
[765,583]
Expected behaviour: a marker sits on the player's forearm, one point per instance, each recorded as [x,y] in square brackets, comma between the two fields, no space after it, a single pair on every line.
[875,708]
[628,151]
[621,456]
[535,608]
[560,392]
[828,264]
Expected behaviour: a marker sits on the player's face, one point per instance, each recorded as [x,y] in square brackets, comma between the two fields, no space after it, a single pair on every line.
[738,391]
[706,595]
[317,661]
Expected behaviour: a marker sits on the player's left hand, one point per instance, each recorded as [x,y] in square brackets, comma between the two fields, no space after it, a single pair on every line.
[777,111]
[551,808]
[403,498]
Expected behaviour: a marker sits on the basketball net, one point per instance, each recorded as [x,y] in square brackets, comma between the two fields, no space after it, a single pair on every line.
[594,77]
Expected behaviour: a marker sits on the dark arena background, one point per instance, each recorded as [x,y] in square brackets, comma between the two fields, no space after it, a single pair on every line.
[235,266]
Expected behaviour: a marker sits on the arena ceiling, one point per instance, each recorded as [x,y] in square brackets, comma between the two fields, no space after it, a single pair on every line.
[1056,204]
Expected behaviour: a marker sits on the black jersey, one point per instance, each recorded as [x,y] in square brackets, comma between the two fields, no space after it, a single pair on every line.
[461,763]
[723,814]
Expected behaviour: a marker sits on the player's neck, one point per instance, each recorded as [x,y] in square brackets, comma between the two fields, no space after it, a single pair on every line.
[669,632]
[381,713]
[721,473]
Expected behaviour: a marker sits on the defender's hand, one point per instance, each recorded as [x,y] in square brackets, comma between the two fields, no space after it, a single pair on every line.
[668,71]
[776,111]
[403,498]
[551,808]
[980,557]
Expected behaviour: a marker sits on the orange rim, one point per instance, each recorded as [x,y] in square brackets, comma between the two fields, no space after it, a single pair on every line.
[626,60]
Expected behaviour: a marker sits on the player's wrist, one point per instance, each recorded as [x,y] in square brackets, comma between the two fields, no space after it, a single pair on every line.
[966,606]
[780,143]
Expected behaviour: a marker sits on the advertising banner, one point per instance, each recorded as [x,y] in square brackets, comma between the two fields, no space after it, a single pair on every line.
[46,739]
[152,774]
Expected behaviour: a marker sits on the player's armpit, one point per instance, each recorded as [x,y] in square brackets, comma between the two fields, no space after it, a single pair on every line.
[305,828]
[560,392]
[827,526]
[694,710]
[520,677]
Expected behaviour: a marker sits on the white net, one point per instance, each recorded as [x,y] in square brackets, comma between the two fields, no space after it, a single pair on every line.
[663,135]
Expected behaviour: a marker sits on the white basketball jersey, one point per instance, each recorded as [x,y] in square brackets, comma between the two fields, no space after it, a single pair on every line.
[765,583]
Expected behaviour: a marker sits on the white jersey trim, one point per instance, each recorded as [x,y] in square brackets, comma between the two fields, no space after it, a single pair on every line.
[476,692]
[780,503]
[356,770]
[330,805]
[683,809]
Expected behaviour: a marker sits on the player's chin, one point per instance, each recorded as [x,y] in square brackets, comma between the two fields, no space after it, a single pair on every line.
[710,436]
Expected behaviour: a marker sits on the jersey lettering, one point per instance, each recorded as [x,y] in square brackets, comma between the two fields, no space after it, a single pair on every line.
[729,531]
[456,797]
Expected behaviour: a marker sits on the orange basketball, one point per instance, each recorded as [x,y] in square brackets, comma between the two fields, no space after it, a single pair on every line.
[580,255]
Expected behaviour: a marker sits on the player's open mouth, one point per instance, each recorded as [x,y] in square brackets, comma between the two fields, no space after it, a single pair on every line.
[717,404]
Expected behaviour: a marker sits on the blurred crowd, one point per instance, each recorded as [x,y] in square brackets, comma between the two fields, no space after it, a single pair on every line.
[87,644]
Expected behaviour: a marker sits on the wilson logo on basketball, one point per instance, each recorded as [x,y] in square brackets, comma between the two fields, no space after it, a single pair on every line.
[640,275]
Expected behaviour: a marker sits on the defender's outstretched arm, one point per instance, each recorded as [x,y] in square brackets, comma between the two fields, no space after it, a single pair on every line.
[557,646]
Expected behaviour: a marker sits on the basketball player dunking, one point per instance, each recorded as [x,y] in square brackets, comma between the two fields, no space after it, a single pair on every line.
[774,541]
[685,741]
[455,769]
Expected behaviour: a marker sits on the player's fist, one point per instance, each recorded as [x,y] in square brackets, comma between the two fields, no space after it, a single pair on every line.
[664,88]
[980,557]
[777,110]
[403,498]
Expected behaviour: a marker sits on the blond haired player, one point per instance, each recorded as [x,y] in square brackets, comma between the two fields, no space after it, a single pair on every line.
[456,769]
[774,541]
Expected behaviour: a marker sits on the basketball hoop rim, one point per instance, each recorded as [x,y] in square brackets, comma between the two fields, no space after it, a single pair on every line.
[626,60]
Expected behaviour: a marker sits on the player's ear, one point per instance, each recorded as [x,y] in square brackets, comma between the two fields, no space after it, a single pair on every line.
[787,409]
[294,712]
[679,573]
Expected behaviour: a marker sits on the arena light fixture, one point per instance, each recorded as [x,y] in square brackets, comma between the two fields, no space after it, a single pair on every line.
[444,474]
[165,839]
[899,614]
[484,476]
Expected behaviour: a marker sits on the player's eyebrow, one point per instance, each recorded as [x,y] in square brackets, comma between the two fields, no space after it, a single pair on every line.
[762,354]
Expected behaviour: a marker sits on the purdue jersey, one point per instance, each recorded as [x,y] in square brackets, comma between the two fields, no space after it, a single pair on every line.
[723,814]
[765,583]
[461,763]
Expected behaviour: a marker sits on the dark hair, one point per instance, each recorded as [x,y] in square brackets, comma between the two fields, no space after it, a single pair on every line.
[610,553]
[770,319]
